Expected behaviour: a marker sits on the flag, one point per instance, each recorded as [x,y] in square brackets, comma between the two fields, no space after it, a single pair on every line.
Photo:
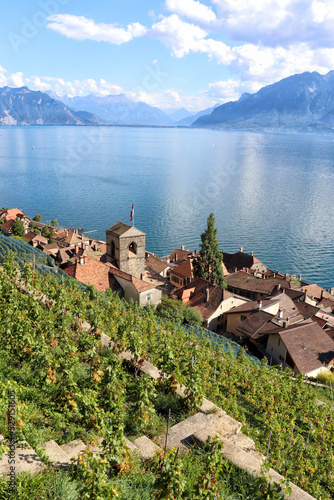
[132,211]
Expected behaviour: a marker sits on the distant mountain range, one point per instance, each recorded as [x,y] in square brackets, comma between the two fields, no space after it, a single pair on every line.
[21,106]
[299,102]
[119,110]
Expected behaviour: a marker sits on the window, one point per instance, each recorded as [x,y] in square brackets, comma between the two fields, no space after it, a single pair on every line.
[149,297]
[242,317]
[133,248]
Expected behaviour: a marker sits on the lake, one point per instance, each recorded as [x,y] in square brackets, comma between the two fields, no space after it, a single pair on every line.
[270,193]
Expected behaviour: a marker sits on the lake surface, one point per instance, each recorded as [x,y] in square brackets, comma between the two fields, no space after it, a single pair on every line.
[270,193]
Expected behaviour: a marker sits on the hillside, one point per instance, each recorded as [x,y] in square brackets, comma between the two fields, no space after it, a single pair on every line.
[21,106]
[299,102]
[68,387]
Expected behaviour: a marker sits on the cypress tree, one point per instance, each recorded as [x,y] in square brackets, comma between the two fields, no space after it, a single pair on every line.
[209,263]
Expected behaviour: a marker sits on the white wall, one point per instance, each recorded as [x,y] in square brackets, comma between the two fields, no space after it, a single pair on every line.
[276,348]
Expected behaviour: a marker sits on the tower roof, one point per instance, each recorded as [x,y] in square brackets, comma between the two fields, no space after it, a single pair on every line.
[121,229]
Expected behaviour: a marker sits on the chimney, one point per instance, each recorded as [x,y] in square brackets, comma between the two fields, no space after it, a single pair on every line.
[76,248]
[85,258]
[300,277]
[305,295]
[259,304]
[167,260]
[263,275]
[278,286]
[252,253]
[286,277]
[182,247]
[66,233]
[81,261]
[241,249]
[175,257]
[207,295]
[331,291]
[280,313]
[322,294]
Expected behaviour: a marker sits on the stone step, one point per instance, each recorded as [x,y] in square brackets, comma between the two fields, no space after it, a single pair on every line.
[179,435]
[146,448]
[226,426]
[74,448]
[247,461]
[150,370]
[55,454]
[26,460]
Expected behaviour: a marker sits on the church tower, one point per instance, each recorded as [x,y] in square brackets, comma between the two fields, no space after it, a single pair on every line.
[126,246]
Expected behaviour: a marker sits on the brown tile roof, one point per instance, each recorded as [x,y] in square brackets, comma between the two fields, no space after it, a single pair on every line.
[194,295]
[317,292]
[254,323]
[153,262]
[180,255]
[139,284]
[306,310]
[249,306]
[8,225]
[248,282]
[327,304]
[30,235]
[308,345]
[239,260]
[92,273]
[184,270]
[120,228]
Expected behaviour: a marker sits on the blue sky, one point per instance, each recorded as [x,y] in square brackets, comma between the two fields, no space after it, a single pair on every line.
[169,53]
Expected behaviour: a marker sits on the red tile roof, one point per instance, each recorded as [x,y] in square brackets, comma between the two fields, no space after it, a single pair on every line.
[180,255]
[92,273]
[194,295]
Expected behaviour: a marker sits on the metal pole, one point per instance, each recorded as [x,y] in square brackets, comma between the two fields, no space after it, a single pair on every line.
[169,414]
[269,444]
[287,461]
[308,437]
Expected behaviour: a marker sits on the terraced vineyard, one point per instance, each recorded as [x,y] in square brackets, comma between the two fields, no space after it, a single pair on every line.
[68,387]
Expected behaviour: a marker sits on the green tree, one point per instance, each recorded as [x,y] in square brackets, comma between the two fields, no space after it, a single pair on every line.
[37,218]
[18,228]
[209,263]
[48,233]
[54,222]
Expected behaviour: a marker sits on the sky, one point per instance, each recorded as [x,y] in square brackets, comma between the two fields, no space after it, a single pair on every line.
[169,53]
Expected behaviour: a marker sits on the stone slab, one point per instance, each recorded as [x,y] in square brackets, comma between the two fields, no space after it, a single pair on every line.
[26,460]
[74,448]
[146,447]
[248,462]
[150,370]
[208,407]
[179,435]
[226,426]
[55,454]
[244,442]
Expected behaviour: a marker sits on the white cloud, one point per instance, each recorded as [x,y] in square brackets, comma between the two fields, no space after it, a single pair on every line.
[181,38]
[178,36]
[81,28]
[192,10]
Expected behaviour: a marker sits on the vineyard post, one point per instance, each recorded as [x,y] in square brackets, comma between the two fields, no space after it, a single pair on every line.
[287,460]
[34,260]
[214,376]
[331,389]
[169,414]
[308,437]
[269,444]
[323,431]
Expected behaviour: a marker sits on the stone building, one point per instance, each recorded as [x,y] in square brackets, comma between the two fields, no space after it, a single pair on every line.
[126,247]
